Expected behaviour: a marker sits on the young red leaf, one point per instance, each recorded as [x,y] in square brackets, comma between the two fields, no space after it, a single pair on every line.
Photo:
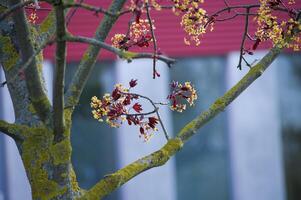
[137,107]
[133,83]
[152,121]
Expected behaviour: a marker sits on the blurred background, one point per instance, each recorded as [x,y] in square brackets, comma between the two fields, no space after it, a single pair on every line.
[250,151]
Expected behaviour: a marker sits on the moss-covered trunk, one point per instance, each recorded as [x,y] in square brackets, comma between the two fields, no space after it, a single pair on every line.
[48,165]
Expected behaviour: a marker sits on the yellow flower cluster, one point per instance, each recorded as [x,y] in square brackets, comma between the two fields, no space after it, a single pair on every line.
[99,107]
[178,107]
[193,95]
[133,5]
[103,108]
[194,19]
[33,17]
[117,39]
[140,29]
[139,35]
[269,27]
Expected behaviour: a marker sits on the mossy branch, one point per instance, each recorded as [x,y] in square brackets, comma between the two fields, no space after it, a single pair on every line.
[90,56]
[60,67]
[9,129]
[33,79]
[48,27]
[117,179]
[160,157]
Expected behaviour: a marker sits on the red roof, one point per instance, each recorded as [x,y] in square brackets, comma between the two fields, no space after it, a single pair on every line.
[170,35]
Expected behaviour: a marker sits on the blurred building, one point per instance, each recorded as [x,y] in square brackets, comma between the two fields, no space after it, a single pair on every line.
[250,151]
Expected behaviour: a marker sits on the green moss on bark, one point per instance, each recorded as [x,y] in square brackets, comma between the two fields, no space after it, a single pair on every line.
[61,152]
[40,156]
[10,56]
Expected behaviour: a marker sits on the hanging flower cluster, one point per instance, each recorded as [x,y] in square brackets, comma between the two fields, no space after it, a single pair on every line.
[270,27]
[180,95]
[121,106]
[139,35]
[33,17]
[194,20]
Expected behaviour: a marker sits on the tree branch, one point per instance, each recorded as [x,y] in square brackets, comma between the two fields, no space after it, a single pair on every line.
[59,79]
[154,39]
[87,63]
[90,8]
[160,157]
[8,129]
[14,8]
[242,46]
[36,53]
[33,79]
[128,55]
[117,179]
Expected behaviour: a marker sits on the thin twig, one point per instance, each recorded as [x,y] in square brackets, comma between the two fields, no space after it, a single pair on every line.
[154,111]
[229,8]
[247,63]
[154,39]
[160,103]
[140,114]
[226,3]
[161,123]
[72,13]
[234,16]
[243,39]
[89,7]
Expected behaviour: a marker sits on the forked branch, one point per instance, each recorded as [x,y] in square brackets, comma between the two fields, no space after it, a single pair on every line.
[33,80]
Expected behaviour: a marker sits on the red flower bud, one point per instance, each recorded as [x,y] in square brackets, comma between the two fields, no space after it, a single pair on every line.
[256,44]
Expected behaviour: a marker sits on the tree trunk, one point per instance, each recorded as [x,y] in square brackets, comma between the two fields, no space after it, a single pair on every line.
[48,164]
